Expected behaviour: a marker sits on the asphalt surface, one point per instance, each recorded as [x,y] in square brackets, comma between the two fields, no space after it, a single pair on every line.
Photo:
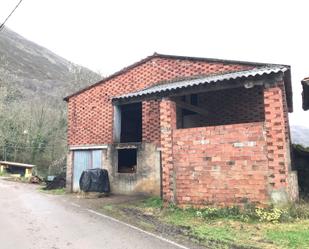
[30,219]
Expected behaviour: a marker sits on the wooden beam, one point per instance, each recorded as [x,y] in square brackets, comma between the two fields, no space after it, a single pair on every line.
[192,108]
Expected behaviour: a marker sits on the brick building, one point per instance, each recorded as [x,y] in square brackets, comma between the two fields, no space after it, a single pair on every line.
[195,130]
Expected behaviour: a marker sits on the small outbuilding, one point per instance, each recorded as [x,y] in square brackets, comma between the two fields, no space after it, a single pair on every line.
[21,169]
[305,94]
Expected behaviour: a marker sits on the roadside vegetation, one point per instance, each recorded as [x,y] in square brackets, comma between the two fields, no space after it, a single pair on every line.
[301,147]
[59,191]
[227,227]
[33,115]
[3,173]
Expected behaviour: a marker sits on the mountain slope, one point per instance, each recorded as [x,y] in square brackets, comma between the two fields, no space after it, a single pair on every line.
[37,71]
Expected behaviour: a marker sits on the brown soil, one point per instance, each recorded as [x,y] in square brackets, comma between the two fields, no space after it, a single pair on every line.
[174,230]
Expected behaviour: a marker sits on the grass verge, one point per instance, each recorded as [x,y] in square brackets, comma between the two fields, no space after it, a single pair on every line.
[59,191]
[223,227]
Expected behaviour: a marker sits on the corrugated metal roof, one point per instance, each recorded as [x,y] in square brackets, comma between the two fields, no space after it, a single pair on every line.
[259,71]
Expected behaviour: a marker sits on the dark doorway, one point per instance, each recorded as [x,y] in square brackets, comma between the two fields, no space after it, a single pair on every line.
[131,123]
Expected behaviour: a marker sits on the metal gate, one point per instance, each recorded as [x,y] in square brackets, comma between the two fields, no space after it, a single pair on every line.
[82,160]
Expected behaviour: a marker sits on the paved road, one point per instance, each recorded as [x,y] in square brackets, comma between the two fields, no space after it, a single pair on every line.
[33,220]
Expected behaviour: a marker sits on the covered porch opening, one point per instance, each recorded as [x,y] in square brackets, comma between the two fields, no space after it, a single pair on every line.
[222,107]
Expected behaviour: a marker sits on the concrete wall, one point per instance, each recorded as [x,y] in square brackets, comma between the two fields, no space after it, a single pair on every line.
[146,179]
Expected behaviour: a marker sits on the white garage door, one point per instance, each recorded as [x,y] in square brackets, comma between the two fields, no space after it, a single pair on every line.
[82,160]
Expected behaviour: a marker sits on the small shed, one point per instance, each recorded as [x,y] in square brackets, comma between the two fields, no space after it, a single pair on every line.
[22,169]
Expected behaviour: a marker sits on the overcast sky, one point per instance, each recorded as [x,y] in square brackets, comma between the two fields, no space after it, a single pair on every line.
[106,36]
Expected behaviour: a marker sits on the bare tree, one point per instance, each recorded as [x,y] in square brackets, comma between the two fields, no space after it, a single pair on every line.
[33,130]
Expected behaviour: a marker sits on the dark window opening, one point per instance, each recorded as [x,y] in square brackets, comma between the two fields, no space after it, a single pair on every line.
[222,107]
[127,160]
[192,99]
[131,123]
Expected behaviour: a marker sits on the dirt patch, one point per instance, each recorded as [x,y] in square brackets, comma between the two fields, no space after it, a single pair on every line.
[93,202]
[174,230]
[158,225]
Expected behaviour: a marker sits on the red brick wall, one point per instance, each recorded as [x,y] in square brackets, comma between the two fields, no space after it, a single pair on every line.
[228,164]
[90,113]
[278,137]
[220,164]
[151,122]
[168,125]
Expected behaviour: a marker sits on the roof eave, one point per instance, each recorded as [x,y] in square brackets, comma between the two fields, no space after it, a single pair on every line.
[176,86]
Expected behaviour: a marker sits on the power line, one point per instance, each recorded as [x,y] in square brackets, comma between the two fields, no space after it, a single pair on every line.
[2,25]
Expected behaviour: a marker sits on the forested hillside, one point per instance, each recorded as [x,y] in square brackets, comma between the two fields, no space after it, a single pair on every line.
[33,82]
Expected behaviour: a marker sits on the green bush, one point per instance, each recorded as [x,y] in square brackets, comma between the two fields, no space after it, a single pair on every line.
[214,212]
[252,213]
[299,210]
[273,215]
[153,202]
[247,213]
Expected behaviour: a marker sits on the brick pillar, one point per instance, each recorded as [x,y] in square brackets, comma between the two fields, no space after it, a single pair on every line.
[151,122]
[277,142]
[167,124]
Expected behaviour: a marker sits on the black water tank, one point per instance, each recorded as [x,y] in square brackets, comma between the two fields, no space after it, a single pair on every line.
[94,180]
